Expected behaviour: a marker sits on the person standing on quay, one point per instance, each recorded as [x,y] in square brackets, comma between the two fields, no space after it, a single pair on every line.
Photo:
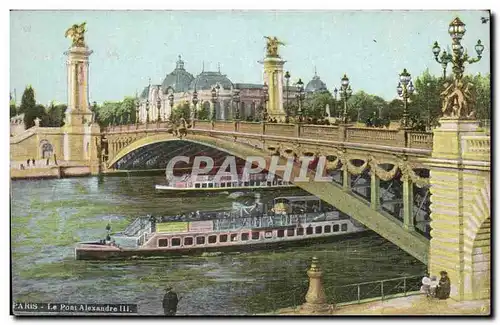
[170,301]
[444,287]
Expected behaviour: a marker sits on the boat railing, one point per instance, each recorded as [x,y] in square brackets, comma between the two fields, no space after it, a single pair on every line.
[277,220]
[138,227]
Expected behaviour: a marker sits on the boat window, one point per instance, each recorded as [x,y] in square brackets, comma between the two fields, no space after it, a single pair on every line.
[244,236]
[268,183]
[197,185]
[328,229]
[228,184]
[290,232]
[319,229]
[188,240]
[200,240]
[281,233]
[212,239]
[300,231]
[335,228]
[234,237]
[268,234]
[222,184]
[280,182]
[309,230]
[255,235]
[162,242]
[176,242]
[210,185]
[222,238]
[343,227]
[246,183]
[204,185]
[252,183]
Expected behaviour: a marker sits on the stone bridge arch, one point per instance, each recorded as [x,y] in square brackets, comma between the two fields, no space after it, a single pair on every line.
[413,243]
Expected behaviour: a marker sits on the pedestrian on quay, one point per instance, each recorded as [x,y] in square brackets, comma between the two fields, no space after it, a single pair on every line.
[433,285]
[48,161]
[170,302]
[55,159]
[444,286]
[426,285]
[28,162]
[33,161]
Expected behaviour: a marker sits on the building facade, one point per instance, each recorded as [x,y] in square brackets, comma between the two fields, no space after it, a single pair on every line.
[155,100]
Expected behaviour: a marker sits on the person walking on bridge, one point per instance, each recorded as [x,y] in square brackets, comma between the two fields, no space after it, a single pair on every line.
[170,301]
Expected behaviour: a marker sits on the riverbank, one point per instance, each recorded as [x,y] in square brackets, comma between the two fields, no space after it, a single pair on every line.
[407,306]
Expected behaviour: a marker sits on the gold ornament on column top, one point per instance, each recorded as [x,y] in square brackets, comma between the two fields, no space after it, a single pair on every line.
[272,46]
[77,34]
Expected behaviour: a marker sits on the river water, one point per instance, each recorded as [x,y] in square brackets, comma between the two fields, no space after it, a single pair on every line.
[49,216]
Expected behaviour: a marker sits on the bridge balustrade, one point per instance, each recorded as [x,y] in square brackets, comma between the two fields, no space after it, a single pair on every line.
[325,132]
[420,140]
[250,127]
[285,130]
[375,136]
[224,126]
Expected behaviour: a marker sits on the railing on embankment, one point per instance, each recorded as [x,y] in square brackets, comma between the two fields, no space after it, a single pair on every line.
[353,134]
[350,294]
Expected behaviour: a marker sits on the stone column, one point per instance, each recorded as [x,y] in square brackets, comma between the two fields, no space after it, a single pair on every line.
[315,297]
[81,136]
[273,76]
[408,220]
[346,179]
[460,207]
[375,191]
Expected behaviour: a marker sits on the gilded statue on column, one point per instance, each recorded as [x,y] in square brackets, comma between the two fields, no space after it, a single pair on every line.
[77,34]
[458,101]
[272,46]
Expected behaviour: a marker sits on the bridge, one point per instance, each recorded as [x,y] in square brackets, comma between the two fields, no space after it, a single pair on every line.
[361,158]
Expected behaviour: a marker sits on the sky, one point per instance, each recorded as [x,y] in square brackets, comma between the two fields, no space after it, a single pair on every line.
[129,47]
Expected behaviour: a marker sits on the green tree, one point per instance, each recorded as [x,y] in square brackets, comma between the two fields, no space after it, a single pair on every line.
[56,114]
[203,112]
[127,110]
[180,111]
[28,107]
[315,104]
[393,111]
[425,104]
[13,110]
[482,94]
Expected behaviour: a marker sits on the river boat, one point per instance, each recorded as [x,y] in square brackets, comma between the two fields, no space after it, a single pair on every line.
[211,183]
[292,221]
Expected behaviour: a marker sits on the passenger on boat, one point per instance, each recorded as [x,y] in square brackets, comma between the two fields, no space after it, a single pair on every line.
[170,301]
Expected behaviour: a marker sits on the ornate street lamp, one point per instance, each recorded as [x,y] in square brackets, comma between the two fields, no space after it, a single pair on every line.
[108,230]
[236,99]
[137,111]
[158,106]
[287,110]
[405,89]
[94,111]
[171,100]
[195,102]
[335,92]
[265,94]
[147,110]
[215,97]
[301,96]
[345,94]
[459,57]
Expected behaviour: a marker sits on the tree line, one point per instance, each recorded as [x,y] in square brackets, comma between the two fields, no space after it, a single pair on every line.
[424,107]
